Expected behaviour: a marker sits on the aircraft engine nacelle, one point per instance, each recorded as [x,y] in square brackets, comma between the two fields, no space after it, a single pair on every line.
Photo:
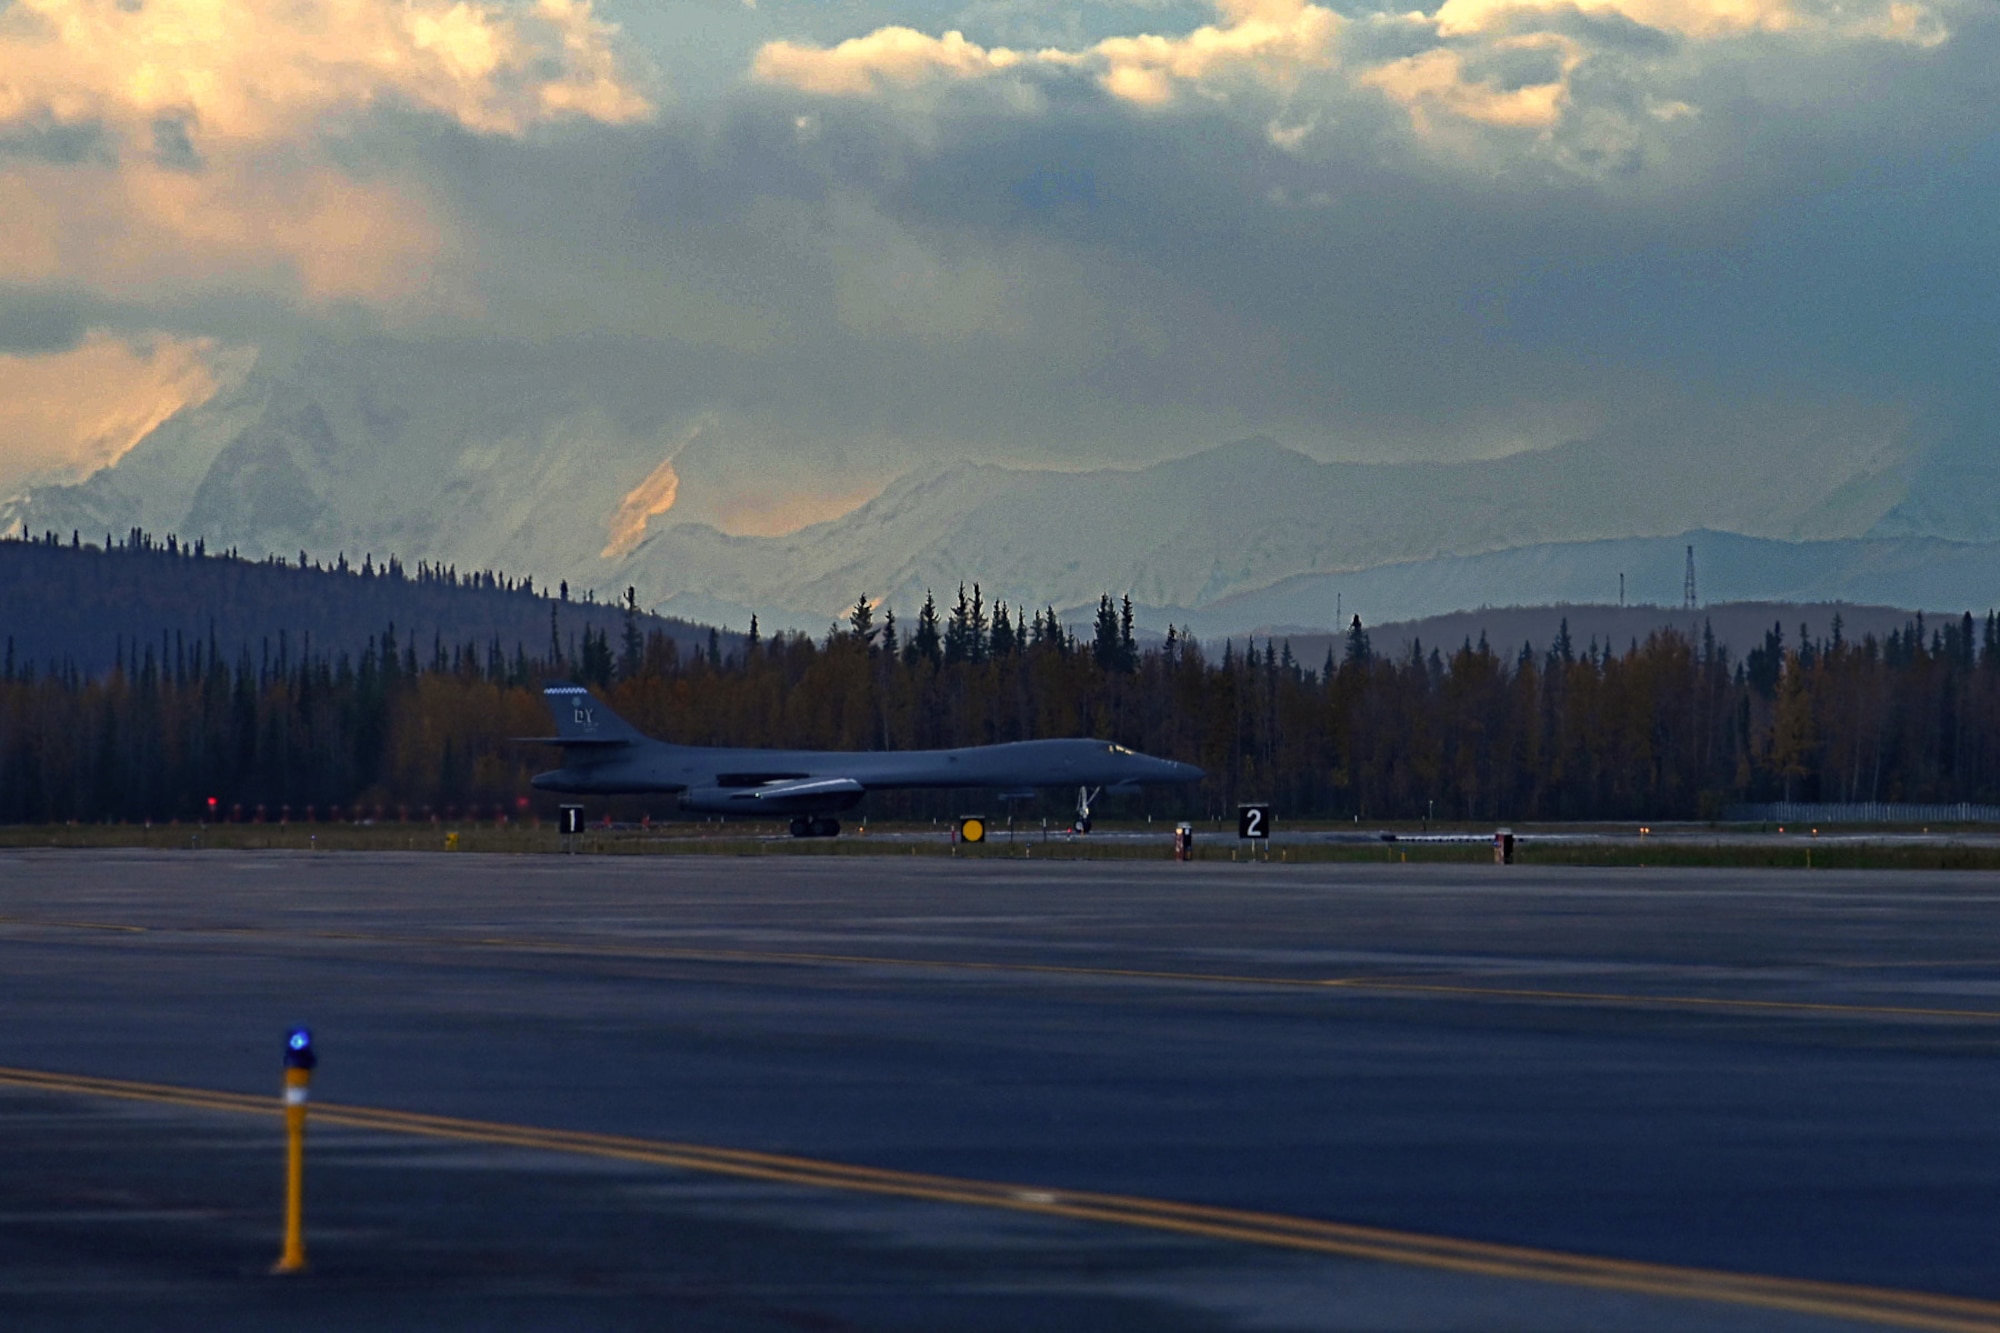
[810,796]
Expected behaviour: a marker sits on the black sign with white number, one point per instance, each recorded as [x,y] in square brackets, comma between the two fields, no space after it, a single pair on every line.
[1253,821]
[572,820]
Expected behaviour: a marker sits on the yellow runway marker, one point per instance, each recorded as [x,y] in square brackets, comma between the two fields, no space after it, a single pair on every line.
[299,1063]
[1874,1305]
[1375,985]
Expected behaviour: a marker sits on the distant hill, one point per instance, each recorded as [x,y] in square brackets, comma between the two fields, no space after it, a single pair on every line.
[1923,573]
[77,604]
[1739,626]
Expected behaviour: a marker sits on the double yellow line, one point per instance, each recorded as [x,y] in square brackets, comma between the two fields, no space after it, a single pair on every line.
[1875,1305]
[1372,985]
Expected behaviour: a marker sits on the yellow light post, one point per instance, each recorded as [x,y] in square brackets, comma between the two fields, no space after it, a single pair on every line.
[299,1062]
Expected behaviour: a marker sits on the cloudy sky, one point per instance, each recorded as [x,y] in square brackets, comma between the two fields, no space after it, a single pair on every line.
[799,245]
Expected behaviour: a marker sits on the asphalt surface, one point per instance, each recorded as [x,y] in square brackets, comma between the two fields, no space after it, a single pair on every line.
[1786,1074]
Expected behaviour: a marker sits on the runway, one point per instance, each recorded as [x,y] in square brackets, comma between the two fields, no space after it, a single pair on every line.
[829,1093]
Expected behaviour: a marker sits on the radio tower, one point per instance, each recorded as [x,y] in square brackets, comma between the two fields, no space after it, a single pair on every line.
[1687,586]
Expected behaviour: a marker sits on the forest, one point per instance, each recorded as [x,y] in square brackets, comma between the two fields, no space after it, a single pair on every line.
[1671,727]
[70,603]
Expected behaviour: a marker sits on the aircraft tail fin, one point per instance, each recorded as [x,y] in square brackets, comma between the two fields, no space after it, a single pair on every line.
[582,719]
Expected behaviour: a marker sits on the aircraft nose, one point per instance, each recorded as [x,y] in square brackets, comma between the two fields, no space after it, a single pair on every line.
[1185,772]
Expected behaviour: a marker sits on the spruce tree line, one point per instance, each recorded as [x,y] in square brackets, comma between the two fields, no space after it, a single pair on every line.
[1673,727]
[69,600]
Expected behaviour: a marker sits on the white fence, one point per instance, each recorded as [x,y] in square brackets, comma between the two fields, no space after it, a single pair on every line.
[1861,812]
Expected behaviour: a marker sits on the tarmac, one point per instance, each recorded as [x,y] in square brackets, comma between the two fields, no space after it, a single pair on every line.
[918,1093]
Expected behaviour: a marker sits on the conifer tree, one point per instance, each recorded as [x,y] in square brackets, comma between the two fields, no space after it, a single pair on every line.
[1105,646]
[958,630]
[1003,632]
[633,650]
[1359,651]
[596,665]
[927,643]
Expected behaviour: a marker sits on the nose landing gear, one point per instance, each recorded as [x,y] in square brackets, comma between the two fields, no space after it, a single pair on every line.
[815,828]
[1085,798]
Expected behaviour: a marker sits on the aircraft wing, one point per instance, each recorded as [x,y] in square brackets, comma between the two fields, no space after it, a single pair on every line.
[795,790]
[783,796]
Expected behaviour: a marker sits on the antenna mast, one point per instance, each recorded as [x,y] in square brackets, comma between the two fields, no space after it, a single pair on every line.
[1687,586]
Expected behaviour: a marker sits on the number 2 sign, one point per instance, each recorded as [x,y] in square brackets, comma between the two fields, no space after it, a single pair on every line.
[1253,821]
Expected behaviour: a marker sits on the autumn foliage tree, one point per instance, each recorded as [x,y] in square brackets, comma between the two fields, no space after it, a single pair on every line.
[1671,727]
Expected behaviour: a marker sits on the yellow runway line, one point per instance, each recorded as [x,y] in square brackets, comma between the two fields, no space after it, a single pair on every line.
[1362,984]
[1874,1305]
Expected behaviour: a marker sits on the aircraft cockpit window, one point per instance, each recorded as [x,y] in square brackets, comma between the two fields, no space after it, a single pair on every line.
[1117,749]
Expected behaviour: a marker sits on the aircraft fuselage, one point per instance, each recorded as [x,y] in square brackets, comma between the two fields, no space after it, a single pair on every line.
[654,766]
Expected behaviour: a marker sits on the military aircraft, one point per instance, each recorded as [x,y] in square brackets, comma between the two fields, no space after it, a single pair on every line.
[603,755]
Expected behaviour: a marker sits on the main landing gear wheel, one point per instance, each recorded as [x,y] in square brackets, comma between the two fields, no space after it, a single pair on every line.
[815,828]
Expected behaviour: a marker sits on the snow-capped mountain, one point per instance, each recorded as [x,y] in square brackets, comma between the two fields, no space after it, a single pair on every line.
[482,464]
[1234,519]
[474,468]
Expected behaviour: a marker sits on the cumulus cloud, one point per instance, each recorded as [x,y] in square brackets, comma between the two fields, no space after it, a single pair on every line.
[892,56]
[1500,65]
[1270,42]
[177,143]
[1893,20]
[1267,41]
[237,69]
[1438,80]
[66,414]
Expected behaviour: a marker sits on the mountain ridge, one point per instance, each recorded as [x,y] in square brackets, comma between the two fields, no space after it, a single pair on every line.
[352,450]
[1188,532]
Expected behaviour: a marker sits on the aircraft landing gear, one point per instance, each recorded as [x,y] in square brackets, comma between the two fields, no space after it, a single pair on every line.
[1085,797]
[815,828]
